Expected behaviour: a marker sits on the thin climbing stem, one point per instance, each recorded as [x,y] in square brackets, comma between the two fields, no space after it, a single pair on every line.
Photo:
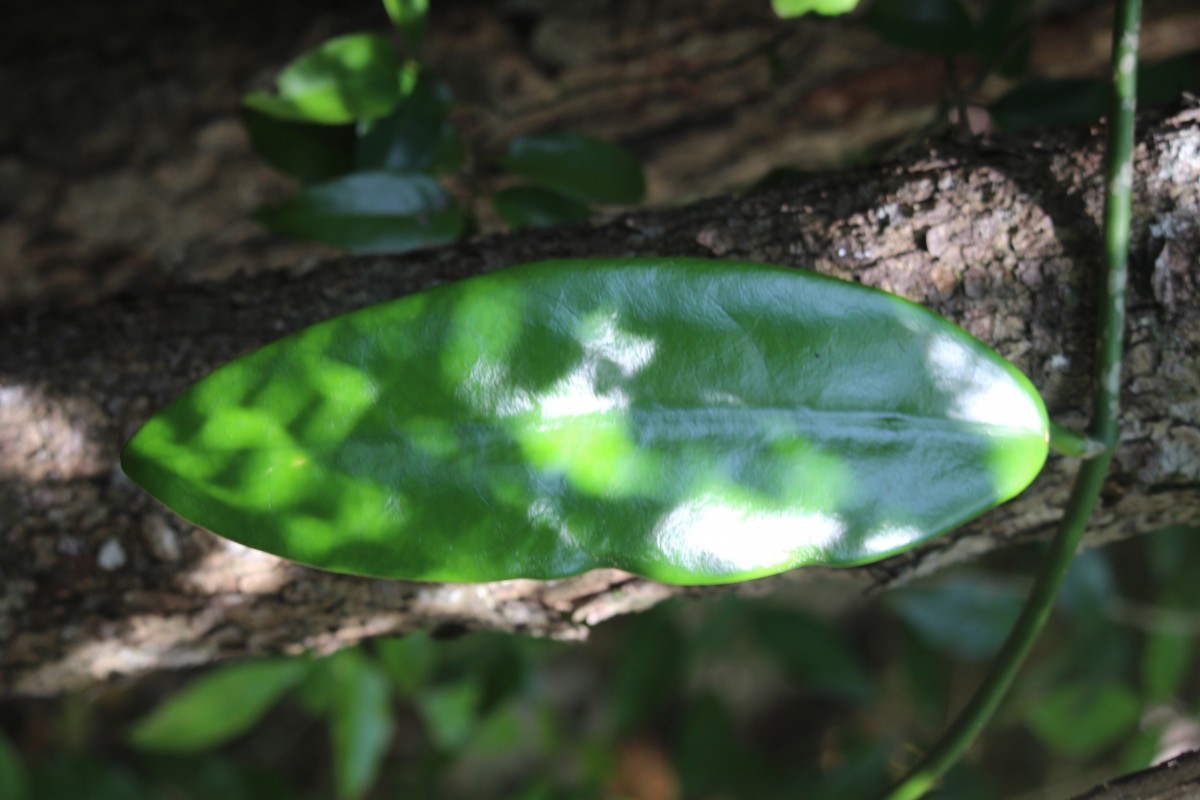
[1090,480]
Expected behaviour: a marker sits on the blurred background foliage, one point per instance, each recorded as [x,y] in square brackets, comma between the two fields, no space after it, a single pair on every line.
[805,695]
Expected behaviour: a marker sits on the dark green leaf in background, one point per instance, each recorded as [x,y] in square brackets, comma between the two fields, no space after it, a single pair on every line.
[941,27]
[712,759]
[370,212]
[451,152]
[968,616]
[451,713]
[72,777]
[1080,719]
[585,168]
[345,79]
[213,777]
[811,652]
[1167,661]
[301,150]
[692,421]
[409,18]
[1140,750]
[530,206]
[1089,586]
[863,774]
[1005,36]
[408,139]
[360,722]
[926,676]
[1166,80]
[408,660]
[218,706]
[14,783]
[650,673]
[1050,102]
[796,8]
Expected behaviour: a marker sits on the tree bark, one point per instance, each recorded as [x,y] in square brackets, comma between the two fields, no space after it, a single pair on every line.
[1176,779]
[1002,237]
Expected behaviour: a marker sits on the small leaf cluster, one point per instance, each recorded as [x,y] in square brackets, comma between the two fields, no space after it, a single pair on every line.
[1122,668]
[1001,40]
[735,698]
[367,131]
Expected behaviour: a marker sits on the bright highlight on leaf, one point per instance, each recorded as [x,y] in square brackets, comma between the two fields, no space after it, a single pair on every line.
[691,421]
[345,79]
[798,8]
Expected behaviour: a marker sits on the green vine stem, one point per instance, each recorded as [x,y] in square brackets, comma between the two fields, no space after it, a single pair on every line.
[1090,480]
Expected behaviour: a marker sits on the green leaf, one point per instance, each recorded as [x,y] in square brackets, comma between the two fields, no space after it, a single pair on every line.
[217,707]
[690,421]
[1166,663]
[192,777]
[1080,720]
[812,652]
[798,8]
[530,206]
[370,212]
[408,660]
[14,783]
[1170,552]
[1089,587]
[451,152]
[360,722]
[649,669]
[1050,102]
[71,777]
[713,761]
[1005,34]
[968,616]
[343,80]
[409,18]
[1166,80]
[300,150]
[1140,751]
[584,168]
[408,139]
[941,27]
[451,713]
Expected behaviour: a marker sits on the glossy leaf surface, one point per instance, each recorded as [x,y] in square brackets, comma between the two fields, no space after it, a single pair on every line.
[522,206]
[691,421]
[370,212]
[582,167]
[409,138]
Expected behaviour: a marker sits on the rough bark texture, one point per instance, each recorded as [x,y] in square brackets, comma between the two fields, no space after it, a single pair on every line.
[122,154]
[1177,779]
[97,581]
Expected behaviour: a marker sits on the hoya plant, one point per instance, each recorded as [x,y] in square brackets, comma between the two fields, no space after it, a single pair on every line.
[687,420]
[365,127]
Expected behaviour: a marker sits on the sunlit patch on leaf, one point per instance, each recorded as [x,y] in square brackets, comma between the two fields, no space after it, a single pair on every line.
[692,421]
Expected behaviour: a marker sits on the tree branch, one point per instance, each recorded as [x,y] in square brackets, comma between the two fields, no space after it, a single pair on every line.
[1177,779]
[97,581]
